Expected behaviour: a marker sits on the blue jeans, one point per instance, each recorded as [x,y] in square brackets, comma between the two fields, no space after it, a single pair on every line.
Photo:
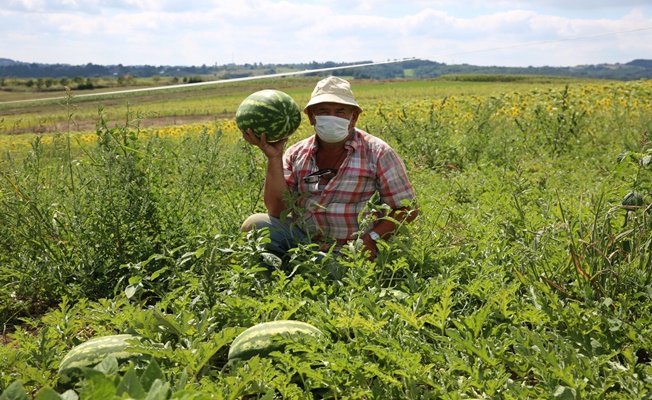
[284,235]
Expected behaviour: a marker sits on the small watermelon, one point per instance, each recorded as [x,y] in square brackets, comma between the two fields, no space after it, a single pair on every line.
[633,199]
[269,111]
[257,340]
[97,349]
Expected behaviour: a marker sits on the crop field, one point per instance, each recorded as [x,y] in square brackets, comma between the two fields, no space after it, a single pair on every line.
[528,273]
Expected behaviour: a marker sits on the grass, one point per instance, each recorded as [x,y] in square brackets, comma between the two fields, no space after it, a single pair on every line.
[526,275]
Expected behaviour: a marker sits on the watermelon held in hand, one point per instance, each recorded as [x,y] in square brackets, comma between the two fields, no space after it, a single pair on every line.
[258,339]
[269,111]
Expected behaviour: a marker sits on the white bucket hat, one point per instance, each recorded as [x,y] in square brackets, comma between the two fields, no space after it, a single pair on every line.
[332,90]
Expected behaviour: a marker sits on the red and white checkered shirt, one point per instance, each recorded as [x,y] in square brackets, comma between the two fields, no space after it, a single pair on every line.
[370,166]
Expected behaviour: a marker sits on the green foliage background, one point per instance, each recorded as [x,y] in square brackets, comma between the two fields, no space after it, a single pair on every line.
[526,275]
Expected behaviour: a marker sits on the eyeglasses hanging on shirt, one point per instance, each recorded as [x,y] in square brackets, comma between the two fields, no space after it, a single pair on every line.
[325,174]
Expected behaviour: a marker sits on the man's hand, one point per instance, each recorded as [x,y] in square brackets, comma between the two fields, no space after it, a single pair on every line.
[369,245]
[271,150]
[275,184]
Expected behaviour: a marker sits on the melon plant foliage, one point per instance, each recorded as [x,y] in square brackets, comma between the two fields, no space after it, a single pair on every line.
[528,273]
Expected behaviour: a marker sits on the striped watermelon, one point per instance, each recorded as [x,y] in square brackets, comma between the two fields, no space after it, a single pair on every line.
[97,349]
[269,111]
[257,340]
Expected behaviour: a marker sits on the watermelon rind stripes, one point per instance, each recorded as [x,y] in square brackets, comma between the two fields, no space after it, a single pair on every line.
[269,111]
[257,340]
[97,349]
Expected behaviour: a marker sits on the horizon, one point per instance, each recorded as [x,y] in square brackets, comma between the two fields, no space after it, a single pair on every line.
[323,62]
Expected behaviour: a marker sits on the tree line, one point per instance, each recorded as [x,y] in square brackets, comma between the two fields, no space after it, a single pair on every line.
[413,68]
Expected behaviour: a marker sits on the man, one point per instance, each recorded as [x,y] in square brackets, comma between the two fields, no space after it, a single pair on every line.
[332,176]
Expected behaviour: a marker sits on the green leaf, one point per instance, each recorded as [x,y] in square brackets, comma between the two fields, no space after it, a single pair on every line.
[134,280]
[270,395]
[169,322]
[272,260]
[69,395]
[622,157]
[206,350]
[130,385]
[156,274]
[97,386]
[395,293]
[562,392]
[47,394]
[191,394]
[158,391]
[183,379]
[151,374]
[15,391]
[131,290]
[108,366]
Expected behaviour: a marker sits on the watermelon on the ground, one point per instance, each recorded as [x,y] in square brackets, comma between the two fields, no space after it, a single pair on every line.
[269,111]
[257,340]
[633,198]
[97,349]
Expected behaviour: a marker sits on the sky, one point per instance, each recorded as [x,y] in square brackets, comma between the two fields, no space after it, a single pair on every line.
[515,33]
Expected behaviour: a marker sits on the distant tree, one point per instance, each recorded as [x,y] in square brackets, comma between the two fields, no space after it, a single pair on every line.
[641,63]
[126,80]
[192,79]
[88,84]
[121,69]
[419,69]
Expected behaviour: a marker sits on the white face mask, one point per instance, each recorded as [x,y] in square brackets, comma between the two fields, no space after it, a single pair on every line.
[331,129]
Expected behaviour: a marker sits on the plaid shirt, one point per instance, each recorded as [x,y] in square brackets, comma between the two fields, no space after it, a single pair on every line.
[370,166]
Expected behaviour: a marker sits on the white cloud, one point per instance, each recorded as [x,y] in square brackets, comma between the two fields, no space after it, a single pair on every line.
[585,4]
[171,32]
